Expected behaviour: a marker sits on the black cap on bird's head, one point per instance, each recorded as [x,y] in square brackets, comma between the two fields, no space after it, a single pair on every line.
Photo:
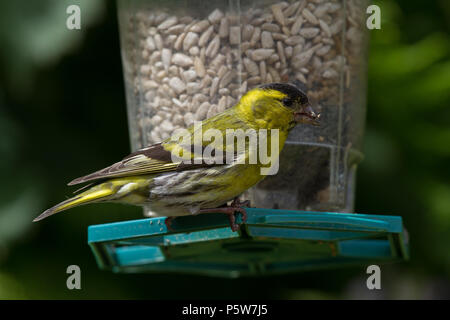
[297,100]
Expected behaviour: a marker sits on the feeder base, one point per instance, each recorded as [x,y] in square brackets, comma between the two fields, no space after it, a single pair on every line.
[270,242]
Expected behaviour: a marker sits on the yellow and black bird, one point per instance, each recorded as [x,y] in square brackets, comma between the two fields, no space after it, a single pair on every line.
[171,188]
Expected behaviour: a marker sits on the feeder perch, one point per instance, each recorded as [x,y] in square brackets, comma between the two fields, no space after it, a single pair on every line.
[270,242]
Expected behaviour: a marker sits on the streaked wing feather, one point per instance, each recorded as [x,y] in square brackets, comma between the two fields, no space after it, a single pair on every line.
[151,160]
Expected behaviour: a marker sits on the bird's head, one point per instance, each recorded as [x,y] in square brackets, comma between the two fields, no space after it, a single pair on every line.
[280,105]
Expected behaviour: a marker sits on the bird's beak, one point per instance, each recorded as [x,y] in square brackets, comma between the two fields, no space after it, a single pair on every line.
[307,115]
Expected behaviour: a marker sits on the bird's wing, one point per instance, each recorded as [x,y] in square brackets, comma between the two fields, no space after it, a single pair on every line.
[153,159]
[159,157]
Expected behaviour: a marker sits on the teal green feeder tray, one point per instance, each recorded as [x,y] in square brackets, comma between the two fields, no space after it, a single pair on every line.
[270,242]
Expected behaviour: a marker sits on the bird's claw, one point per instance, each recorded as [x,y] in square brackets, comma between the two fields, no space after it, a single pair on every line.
[236,206]
[168,222]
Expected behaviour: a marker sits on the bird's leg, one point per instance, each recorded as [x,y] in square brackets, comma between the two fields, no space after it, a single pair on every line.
[168,223]
[236,205]
[230,212]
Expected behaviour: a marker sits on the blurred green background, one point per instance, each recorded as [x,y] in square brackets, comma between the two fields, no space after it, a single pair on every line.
[62,114]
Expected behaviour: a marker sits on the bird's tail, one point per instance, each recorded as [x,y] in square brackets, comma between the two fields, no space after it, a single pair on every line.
[132,190]
[94,194]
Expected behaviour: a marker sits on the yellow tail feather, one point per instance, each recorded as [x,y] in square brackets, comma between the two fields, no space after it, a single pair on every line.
[92,195]
[133,190]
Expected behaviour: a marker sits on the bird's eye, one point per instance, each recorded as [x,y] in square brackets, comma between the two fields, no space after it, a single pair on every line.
[287,102]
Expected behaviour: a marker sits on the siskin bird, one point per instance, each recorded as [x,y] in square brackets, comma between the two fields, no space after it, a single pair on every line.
[151,177]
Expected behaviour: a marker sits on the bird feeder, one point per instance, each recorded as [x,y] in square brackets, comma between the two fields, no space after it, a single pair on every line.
[189,60]
[271,242]
[186,61]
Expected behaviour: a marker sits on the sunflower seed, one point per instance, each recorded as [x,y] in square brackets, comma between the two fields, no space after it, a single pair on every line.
[179,42]
[291,9]
[226,79]
[189,75]
[266,40]
[177,29]
[280,51]
[158,42]
[251,66]
[255,36]
[294,40]
[222,104]
[194,51]
[321,10]
[262,70]
[309,33]
[202,110]
[261,54]
[188,119]
[177,84]
[218,62]
[296,26]
[200,26]
[150,43]
[323,51]
[181,60]
[214,87]
[247,32]
[302,59]
[309,16]
[192,88]
[270,27]
[254,80]
[212,111]
[190,40]
[325,28]
[278,13]
[205,36]
[168,23]
[330,73]
[274,73]
[215,16]
[235,35]
[224,27]
[166,56]
[213,47]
